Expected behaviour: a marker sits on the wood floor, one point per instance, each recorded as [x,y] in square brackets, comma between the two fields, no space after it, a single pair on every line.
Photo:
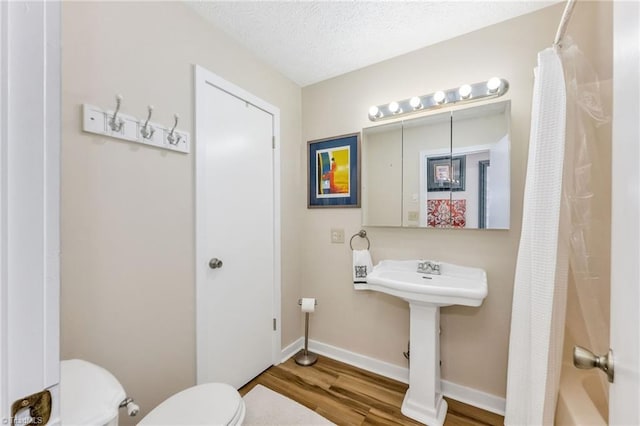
[350,396]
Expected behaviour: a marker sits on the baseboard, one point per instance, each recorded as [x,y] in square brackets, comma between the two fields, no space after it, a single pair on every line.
[386,369]
[460,393]
[474,397]
[292,349]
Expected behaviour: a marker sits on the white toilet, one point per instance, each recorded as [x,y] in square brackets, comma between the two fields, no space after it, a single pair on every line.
[91,395]
[207,404]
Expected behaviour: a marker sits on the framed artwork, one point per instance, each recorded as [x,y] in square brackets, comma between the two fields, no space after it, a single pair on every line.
[333,173]
[446,173]
[446,213]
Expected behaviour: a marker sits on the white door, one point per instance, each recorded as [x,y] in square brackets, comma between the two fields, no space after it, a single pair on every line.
[624,393]
[29,204]
[237,302]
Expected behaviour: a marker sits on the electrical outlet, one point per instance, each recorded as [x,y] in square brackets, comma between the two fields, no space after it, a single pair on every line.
[337,236]
[413,216]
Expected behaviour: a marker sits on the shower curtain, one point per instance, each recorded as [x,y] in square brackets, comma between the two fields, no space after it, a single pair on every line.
[539,299]
[560,230]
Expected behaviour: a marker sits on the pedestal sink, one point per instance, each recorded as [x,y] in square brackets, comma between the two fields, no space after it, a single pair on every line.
[426,293]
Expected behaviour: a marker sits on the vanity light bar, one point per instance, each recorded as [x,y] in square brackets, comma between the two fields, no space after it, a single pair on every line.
[492,88]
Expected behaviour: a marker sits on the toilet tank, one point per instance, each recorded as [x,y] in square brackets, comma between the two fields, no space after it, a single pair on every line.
[89,394]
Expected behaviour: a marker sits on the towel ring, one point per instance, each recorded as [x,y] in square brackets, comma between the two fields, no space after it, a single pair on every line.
[361,234]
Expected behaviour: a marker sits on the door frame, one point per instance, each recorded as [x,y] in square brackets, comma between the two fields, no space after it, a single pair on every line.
[30,83]
[625,216]
[203,79]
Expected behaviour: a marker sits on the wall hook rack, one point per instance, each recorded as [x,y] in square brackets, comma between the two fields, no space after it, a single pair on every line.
[129,128]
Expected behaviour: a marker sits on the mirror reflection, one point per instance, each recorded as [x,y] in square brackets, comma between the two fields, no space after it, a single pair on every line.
[447,170]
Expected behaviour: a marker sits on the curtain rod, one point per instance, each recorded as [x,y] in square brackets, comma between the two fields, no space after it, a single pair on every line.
[564,21]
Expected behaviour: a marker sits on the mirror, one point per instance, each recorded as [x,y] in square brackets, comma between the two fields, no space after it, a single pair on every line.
[382,175]
[446,170]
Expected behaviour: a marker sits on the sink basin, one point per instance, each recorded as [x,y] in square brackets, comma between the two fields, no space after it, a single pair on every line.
[456,285]
[426,293]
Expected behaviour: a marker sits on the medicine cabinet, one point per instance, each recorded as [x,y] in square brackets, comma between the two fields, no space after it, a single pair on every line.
[444,170]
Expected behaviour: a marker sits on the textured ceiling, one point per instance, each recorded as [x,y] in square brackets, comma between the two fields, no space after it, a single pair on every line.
[311,41]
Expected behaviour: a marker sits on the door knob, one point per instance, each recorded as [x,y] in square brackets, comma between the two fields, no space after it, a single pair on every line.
[585,359]
[215,263]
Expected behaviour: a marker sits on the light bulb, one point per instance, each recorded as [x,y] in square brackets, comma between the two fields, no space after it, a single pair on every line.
[394,107]
[464,91]
[415,102]
[439,97]
[493,84]
[374,111]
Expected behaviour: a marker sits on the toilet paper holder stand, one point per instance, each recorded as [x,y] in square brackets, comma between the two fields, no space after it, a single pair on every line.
[304,357]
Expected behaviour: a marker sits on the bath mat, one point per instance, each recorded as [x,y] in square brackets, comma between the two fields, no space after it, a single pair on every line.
[266,407]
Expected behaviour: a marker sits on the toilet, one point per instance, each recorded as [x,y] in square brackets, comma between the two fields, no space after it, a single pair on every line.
[91,395]
[206,404]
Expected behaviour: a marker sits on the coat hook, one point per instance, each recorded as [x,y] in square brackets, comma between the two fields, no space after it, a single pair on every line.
[116,123]
[147,131]
[174,139]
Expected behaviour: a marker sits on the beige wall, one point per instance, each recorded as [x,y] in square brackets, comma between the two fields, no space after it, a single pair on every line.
[127,210]
[474,340]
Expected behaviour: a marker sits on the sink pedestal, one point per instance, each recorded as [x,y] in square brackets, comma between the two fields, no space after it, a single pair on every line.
[423,400]
[426,293]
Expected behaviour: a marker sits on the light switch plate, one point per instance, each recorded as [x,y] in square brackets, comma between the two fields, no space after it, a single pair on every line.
[337,236]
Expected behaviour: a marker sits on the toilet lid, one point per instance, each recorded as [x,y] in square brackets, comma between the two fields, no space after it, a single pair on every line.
[206,404]
[89,395]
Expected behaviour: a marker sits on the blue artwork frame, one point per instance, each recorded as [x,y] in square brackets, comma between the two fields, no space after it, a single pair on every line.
[333,172]
[453,178]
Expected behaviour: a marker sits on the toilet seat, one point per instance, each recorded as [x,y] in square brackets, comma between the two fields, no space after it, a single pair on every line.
[206,404]
[89,394]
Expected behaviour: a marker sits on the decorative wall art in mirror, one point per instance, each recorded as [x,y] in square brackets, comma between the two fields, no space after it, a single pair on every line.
[334,172]
[445,170]
[446,173]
